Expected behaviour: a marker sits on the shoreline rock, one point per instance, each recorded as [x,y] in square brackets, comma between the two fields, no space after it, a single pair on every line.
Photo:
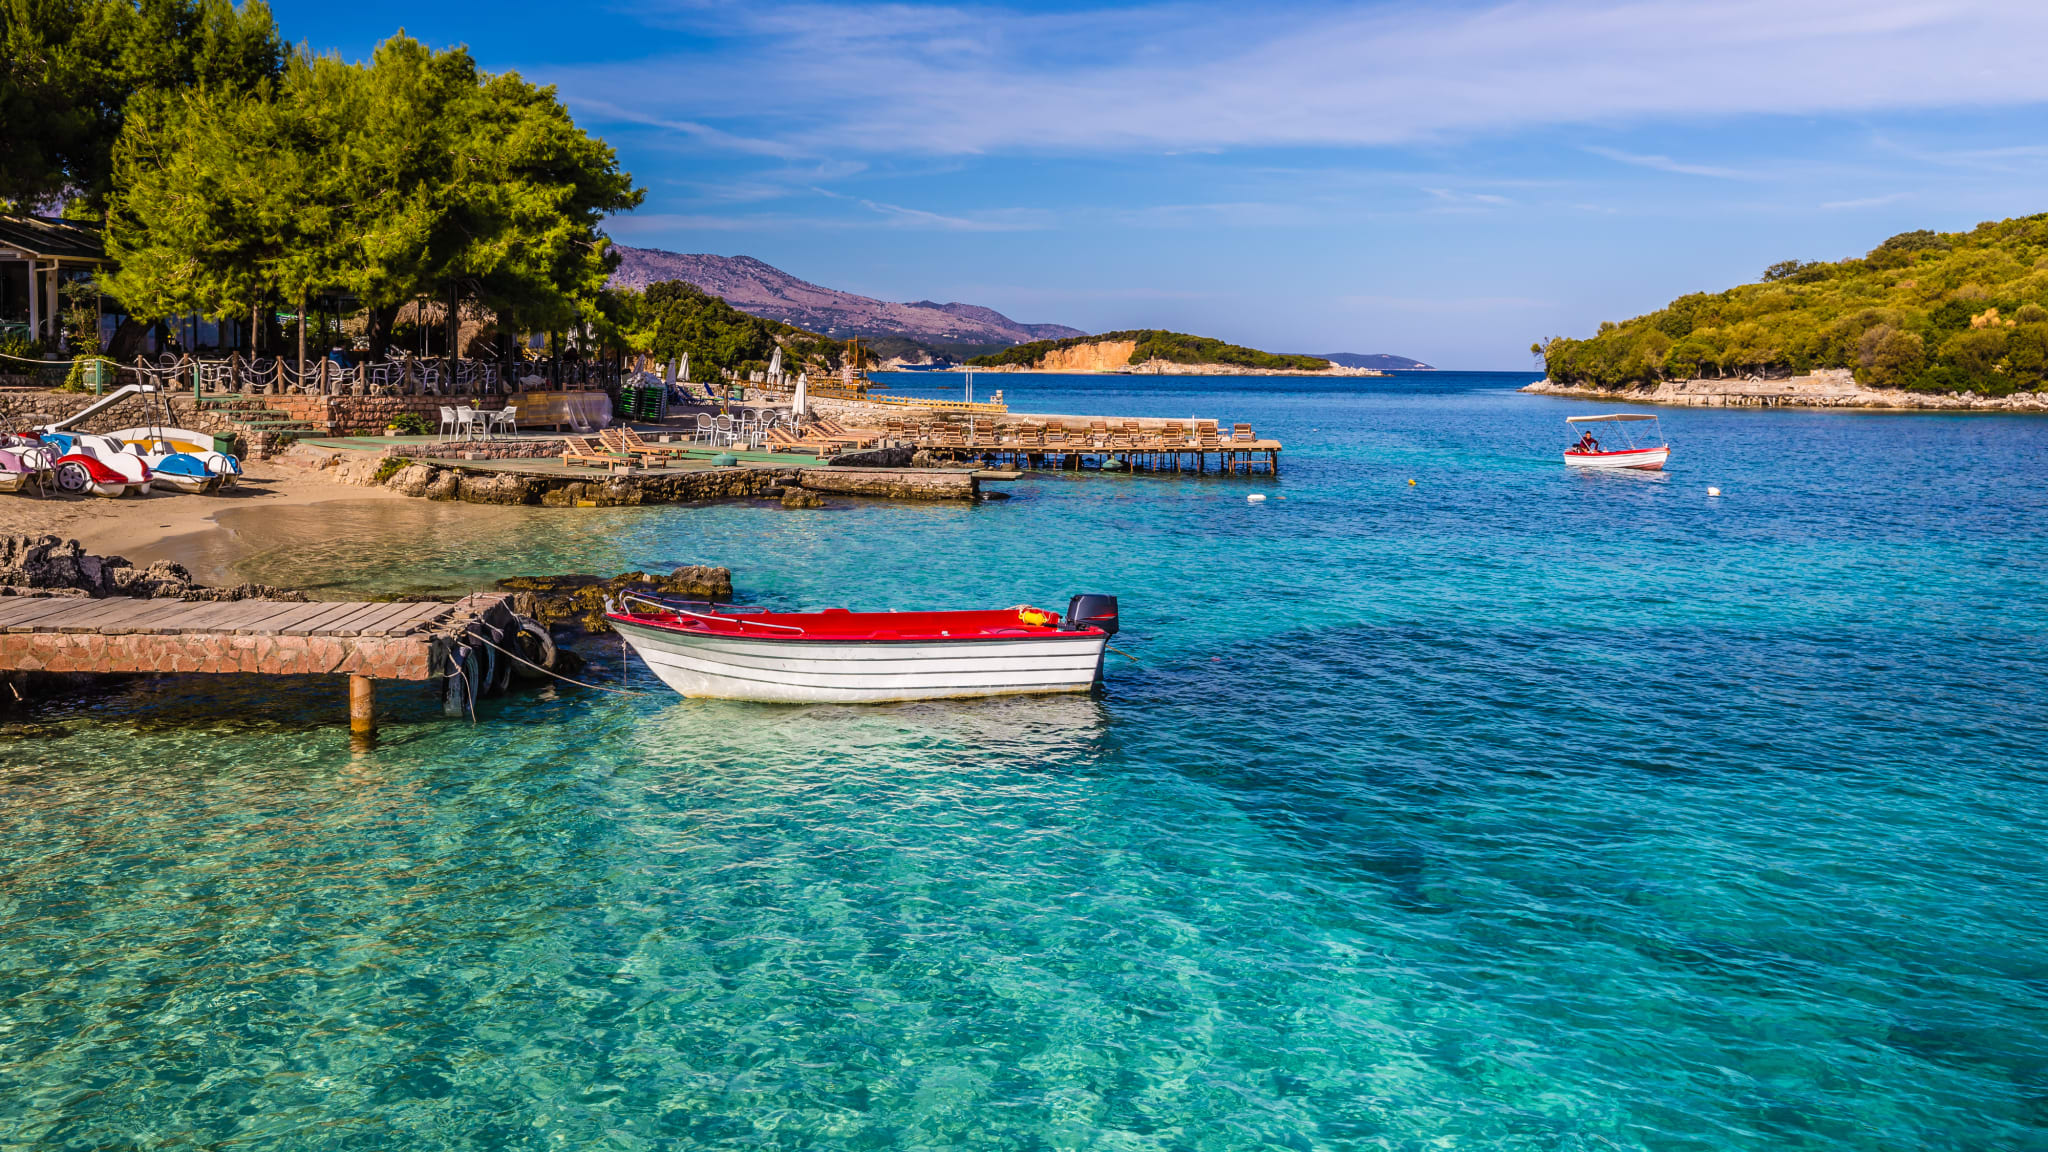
[1826,388]
[52,566]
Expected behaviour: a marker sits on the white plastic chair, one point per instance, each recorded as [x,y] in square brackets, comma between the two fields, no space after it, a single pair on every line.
[465,421]
[448,422]
[504,420]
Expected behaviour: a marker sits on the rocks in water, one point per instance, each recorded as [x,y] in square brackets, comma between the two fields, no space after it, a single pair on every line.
[49,565]
[801,498]
[579,600]
[923,459]
[878,458]
[413,479]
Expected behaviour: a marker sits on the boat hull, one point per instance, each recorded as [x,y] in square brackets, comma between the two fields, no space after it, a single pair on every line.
[863,672]
[1641,459]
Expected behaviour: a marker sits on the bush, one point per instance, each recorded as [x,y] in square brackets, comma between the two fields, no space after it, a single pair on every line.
[389,467]
[411,424]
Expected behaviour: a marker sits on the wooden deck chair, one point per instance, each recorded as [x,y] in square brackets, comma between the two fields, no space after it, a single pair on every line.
[783,440]
[1242,433]
[580,451]
[615,442]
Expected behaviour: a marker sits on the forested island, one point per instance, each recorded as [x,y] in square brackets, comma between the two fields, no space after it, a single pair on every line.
[1151,345]
[1925,312]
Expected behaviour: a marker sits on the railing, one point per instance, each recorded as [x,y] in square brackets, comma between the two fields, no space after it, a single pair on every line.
[406,376]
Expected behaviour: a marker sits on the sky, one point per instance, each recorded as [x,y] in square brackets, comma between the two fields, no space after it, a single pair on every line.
[1448,181]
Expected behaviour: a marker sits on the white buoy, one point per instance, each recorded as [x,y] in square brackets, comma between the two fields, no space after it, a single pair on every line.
[1713,491]
[1254,498]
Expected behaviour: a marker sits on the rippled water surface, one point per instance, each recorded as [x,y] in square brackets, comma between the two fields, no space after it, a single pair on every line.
[1510,809]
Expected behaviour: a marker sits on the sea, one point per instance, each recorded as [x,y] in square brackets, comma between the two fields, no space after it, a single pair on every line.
[1446,798]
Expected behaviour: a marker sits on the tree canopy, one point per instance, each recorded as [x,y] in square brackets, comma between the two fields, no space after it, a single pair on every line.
[70,70]
[1928,311]
[416,174]
[675,317]
[1158,344]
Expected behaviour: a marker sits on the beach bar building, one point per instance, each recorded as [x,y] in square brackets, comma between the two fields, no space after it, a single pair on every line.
[38,254]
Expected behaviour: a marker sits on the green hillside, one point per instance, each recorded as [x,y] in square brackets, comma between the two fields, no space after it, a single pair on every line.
[1928,311]
[1155,344]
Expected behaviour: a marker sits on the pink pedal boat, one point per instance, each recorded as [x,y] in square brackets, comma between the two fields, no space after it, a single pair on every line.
[1647,456]
[837,656]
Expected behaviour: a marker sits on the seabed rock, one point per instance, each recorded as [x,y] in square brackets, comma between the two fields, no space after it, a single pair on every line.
[801,498]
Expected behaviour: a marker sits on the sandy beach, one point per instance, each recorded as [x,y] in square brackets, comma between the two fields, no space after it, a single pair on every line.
[136,524]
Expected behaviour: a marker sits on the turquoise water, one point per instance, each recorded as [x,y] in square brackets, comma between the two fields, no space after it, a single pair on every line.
[1511,809]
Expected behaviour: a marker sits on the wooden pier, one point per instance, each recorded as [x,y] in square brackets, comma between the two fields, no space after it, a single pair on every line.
[365,641]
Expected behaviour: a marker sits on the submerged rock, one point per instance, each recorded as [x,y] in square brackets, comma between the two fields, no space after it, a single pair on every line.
[578,600]
[801,498]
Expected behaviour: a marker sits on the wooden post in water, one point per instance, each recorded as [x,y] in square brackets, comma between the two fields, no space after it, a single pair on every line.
[362,706]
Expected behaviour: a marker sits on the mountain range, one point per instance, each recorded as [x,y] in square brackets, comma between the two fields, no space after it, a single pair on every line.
[1379,360]
[764,290]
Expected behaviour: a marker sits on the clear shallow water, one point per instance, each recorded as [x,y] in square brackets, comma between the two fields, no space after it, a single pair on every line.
[1512,809]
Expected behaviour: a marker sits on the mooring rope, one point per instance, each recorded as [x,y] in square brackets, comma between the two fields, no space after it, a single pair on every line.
[564,679]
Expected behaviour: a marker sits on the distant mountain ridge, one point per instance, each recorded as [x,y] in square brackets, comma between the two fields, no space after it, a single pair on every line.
[761,289]
[1379,360]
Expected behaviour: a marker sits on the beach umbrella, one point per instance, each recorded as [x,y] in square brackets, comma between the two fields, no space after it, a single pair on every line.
[775,366]
[668,378]
[796,402]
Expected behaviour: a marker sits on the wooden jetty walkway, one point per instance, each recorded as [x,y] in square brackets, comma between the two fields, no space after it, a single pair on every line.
[365,641]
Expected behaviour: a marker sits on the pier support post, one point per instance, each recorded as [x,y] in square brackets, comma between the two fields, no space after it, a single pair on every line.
[362,706]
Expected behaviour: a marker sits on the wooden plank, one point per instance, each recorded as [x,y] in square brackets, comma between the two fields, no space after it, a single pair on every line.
[81,619]
[17,609]
[383,625]
[298,614]
[119,615]
[312,625]
[352,621]
[380,623]
[260,624]
[233,616]
[421,616]
[346,626]
[30,621]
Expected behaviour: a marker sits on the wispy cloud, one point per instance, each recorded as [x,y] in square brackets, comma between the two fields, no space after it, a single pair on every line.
[1865,202]
[819,78]
[1667,164]
[1450,197]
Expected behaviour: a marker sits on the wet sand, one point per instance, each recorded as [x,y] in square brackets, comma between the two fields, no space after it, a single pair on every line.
[138,526]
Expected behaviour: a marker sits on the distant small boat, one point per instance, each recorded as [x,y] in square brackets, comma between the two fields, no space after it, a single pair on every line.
[836,656]
[1646,453]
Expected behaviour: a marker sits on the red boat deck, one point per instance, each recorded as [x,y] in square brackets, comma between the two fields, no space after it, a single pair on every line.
[841,625]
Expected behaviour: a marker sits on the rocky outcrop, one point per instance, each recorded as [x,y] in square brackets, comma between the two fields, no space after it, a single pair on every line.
[892,483]
[801,498]
[579,601]
[1099,356]
[51,566]
[1825,388]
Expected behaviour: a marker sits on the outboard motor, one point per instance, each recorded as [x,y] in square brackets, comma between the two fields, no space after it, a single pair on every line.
[1093,610]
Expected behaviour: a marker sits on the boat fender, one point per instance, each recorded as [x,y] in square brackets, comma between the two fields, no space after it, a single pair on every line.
[1037,618]
[541,637]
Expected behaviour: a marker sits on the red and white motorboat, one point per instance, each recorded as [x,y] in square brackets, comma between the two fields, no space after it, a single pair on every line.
[1644,453]
[837,656]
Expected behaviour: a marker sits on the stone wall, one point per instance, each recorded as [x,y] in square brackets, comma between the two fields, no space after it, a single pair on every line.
[20,411]
[892,483]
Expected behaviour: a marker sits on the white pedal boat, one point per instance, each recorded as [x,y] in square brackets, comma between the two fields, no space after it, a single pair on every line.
[836,656]
[1647,456]
[96,464]
[156,443]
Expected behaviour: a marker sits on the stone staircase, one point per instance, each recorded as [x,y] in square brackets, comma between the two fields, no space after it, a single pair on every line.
[251,413]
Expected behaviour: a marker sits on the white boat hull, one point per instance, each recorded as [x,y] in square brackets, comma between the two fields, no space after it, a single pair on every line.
[860,672]
[1643,459]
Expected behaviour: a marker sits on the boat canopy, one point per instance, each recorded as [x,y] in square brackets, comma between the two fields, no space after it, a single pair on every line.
[1623,416]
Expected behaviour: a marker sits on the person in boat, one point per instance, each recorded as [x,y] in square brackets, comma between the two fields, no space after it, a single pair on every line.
[1587,443]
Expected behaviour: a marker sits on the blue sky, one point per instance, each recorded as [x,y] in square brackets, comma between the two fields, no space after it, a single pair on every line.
[1447,181]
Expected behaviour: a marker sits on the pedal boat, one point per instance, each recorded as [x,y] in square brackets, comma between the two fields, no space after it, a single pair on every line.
[24,464]
[96,464]
[156,443]
[1644,453]
[843,657]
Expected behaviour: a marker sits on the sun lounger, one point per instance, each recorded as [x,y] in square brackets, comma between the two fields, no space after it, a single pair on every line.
[580,451]
[783,440]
